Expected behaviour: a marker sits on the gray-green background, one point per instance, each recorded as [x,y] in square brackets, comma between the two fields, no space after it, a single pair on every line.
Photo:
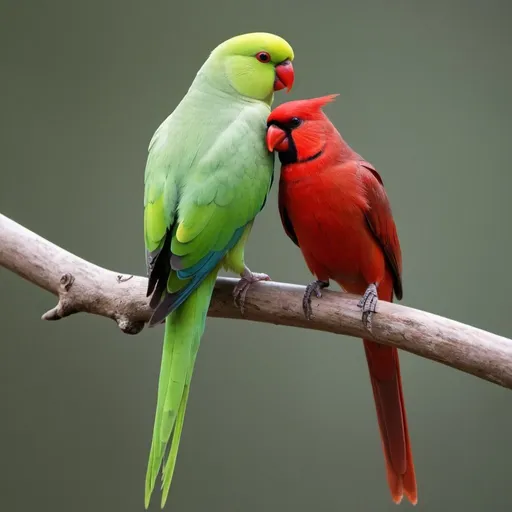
[279,418]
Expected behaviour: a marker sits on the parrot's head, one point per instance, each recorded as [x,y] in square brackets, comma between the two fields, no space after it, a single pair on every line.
[255,65]
[299,130]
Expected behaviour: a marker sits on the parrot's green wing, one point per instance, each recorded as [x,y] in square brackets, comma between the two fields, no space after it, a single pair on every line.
[193,219]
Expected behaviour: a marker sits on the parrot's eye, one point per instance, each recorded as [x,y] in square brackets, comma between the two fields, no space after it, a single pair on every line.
[263,57]
[294,122]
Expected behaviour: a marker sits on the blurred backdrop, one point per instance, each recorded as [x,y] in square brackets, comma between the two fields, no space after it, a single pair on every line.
[279,418]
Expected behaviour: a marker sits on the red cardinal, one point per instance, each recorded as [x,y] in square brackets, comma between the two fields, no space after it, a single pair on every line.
[334,207]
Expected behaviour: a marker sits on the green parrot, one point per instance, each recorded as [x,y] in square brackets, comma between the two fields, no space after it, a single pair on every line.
[207,176]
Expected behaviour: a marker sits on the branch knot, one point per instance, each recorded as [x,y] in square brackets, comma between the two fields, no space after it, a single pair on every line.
[64,307]
[66,282]
[129,326]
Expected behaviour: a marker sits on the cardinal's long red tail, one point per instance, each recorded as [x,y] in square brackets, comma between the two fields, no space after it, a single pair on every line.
[387,390]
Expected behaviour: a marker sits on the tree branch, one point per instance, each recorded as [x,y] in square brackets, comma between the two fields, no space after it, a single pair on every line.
[84,287]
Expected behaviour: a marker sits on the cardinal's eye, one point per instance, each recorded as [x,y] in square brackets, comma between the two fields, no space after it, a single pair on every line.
[263,57]
[294,122]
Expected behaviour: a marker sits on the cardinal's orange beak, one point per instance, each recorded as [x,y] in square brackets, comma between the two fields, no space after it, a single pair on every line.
[277,139]
[284,76]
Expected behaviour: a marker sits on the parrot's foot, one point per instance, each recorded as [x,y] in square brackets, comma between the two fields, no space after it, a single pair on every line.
[240,291]
[368,304]
[315,287]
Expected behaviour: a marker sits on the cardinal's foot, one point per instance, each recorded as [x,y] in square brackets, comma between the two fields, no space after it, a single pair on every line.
[240,291]
[368,304]
[316,288]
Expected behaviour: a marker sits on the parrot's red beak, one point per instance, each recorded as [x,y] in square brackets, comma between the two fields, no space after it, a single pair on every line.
[277,139]
[284,76]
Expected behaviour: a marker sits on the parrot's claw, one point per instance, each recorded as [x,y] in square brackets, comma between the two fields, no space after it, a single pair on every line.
[240,291]
[315,287]
[368,304]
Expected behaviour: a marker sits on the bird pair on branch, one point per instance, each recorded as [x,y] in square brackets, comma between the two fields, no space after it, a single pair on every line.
[209,169]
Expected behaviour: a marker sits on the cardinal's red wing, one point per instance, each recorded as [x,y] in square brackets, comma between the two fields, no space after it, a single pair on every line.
[381,223]
[285,218]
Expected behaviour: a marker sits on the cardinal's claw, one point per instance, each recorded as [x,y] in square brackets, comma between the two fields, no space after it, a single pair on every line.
[240,291]
[316,288]
[368,304]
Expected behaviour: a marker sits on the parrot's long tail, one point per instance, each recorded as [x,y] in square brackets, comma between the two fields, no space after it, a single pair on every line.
[183,330]
[384,369]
